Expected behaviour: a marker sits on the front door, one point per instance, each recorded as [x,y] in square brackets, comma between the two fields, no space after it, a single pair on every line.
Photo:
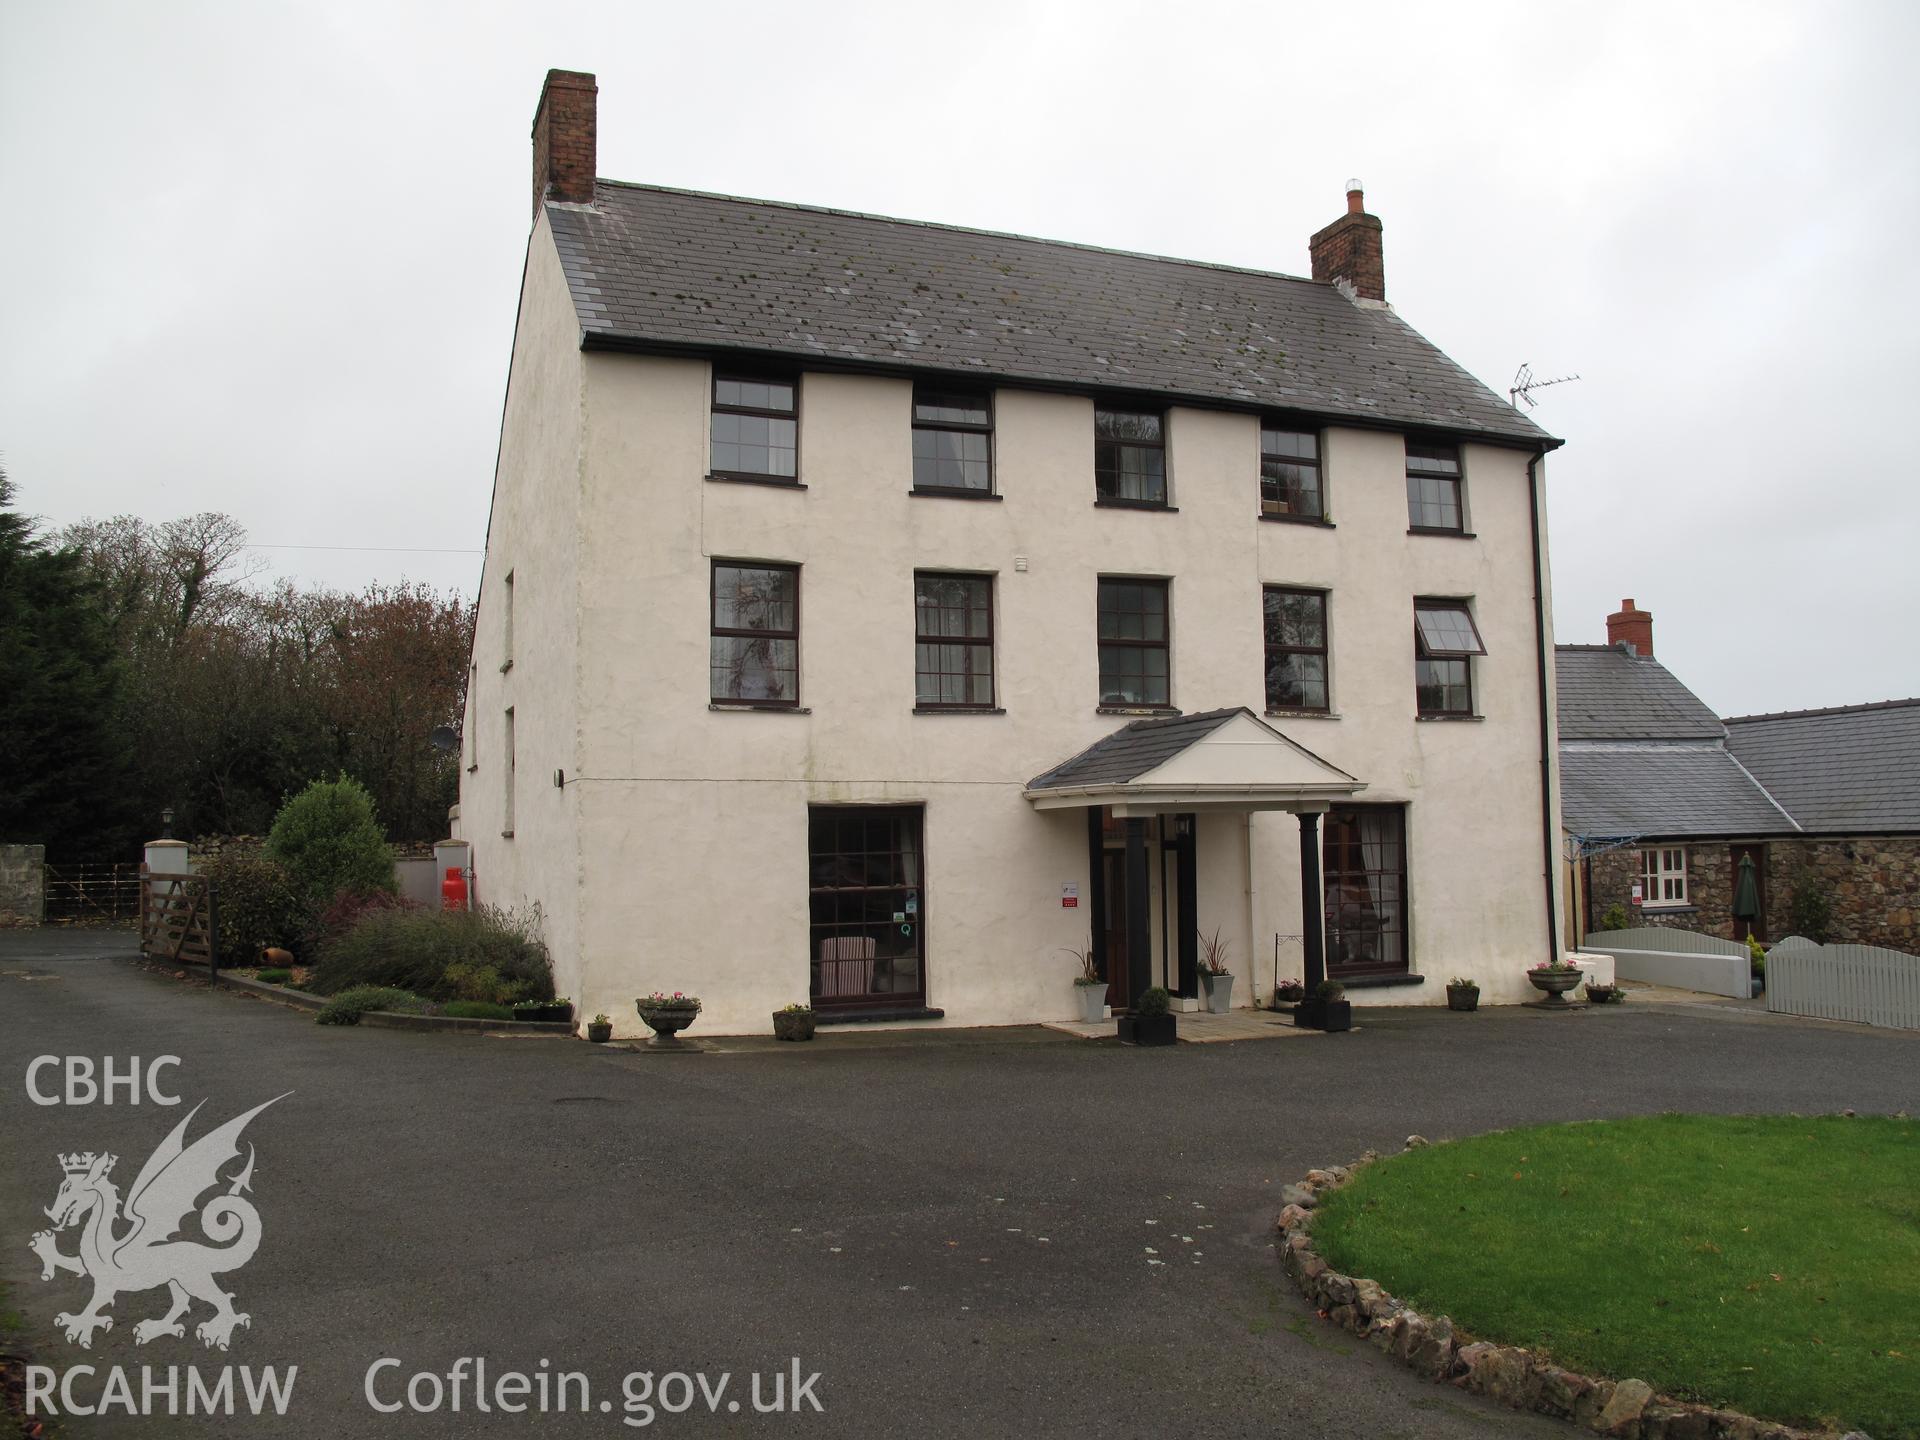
[1114,926]
[1755,925]
[868,913]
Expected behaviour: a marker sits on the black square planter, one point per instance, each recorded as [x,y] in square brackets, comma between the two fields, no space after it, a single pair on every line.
[1312,1014]
[1148,1030]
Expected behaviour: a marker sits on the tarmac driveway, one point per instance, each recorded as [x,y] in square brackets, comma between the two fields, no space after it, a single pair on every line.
[987,1232]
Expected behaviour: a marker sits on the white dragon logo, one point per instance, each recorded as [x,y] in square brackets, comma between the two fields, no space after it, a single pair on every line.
[146,1255]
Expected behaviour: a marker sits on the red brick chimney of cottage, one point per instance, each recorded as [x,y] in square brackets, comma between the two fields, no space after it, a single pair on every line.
[1349,249]
[1632,626]
[565,138]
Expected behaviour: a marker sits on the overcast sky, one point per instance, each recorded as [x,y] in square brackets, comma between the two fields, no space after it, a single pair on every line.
[264,258]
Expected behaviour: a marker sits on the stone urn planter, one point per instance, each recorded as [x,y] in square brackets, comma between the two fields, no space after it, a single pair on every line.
[667,1016]
[1091,998]
[1463,997]
[793,1023]
[1219,991]
[1554,984]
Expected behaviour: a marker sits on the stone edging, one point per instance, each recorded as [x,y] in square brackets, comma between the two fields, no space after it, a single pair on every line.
[1432,1347]
[393,1020]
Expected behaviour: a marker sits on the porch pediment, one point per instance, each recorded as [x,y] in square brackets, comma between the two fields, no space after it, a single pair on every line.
[1217,760]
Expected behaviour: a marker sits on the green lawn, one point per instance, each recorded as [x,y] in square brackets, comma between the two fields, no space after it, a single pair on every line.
[1763,1263]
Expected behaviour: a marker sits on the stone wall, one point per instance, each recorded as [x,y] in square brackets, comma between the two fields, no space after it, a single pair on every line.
[1873,882]
[209,847]
[23,888]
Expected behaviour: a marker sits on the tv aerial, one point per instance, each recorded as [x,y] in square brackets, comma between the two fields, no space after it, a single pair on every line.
[1524,384]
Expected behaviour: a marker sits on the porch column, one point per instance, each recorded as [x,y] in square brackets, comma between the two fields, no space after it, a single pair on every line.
[1139,912]
[1312,928]
[1186,878]
[1097,891]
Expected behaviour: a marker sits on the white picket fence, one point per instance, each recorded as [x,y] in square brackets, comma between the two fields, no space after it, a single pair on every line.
[1862,983]
[1680,958]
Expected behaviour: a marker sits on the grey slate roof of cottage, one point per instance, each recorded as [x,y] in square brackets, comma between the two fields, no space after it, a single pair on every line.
[1603,693]
[1662,790]
[1133,750]
[655,268]
[1852,768]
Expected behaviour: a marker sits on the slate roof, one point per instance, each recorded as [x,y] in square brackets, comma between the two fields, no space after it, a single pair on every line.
[655,268]
[1133,750]
[1853,768]
[1662,791]
[1606,694]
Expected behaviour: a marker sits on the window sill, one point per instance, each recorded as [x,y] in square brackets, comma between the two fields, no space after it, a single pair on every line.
[1317,521]
[935,492]
[1304,714]
[1379,982]
[867,1015]
[1646,909]
[1449,717]
[770,706]
[1105,504]
[1441,530]
[774,482]
[958,710]
[1136,710]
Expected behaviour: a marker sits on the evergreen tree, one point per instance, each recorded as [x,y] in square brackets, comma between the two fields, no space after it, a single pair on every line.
[64,765]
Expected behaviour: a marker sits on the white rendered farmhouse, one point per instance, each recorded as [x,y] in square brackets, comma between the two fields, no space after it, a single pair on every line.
[876,612]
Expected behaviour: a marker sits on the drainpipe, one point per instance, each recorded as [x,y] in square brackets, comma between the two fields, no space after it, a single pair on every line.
[1550,846]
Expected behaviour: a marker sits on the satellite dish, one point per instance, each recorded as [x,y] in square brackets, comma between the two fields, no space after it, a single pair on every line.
[445,737]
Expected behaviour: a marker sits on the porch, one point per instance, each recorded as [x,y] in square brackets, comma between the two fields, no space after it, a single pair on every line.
[1145,789]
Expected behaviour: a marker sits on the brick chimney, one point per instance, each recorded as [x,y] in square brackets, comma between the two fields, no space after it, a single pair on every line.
[1349,249]
[564,133]
[1633,627]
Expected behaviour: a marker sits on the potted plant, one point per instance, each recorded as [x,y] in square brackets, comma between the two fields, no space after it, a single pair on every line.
[600,1029]
[1758,952]
[559,1009]
[1288,994]
[1089,989]
[1463,993]
[1214,972]
[668,1015]
[1605,994]
[1152,1021]
[1554,978]
[1336,1011]
[793,1022]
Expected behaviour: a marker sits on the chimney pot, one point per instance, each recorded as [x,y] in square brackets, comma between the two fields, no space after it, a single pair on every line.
[1349,249]
[1633,627]
[565,138]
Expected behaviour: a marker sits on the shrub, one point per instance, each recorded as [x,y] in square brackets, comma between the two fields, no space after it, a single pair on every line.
[274,977]
[346,910]
[1153,1002]
[1614,917]
[1329,990]
[330,840]
[348,1006]
[484,954]
[257,902]
[476,1010]
[1810,908]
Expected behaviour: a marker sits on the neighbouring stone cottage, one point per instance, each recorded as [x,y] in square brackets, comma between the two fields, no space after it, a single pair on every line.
[1662,800]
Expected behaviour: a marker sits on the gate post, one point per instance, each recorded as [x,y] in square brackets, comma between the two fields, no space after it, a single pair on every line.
[213,933]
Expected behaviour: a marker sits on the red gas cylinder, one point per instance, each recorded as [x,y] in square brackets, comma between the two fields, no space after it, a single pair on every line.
[453,890]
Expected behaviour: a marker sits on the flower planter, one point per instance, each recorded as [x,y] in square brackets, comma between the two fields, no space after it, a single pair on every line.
[1148,1030]
[1605,994]
[1463,997]
[1330,1015]
[1092,1000]
[793,1024]
[600,1034]
[550,1012]
[1219,992]
[667,1022]
[1555,984]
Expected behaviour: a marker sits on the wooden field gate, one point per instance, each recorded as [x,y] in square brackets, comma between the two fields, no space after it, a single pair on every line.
[178,922]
